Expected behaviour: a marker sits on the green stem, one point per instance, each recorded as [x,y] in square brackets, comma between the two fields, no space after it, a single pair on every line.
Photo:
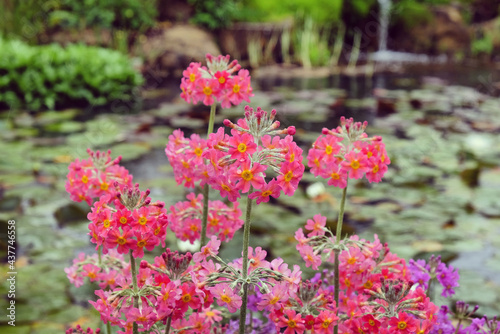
[99,256]
[337,253]
[108,327]
[211,119]
[133,271]
[430,290]
[244,270]
[458,325]
[169,322]
[204,219]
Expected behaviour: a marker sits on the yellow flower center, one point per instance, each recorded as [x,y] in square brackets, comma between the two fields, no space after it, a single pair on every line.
[222,80]
[242,148]
[186,298]
[192,77]
[207,91]
[141,243]
[104,186]
[274,300]
[198,151]
[292,323]
[106,223]
[371,322]
[85,179]
[121,240]
[236,88]
[225,298]
[157,230]
[402,325]
[351,260]
[375,169]
[328,149]
[369,154]
[288,176]
[335,176]
[247,175]
[210,313]
[368,285]
[225,187]
[292,157]
[266,193]
[355,164]
[325,324]
[123,220]
[143,220]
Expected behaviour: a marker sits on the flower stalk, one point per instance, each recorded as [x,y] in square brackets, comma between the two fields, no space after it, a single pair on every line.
[133,271]
[204,219]
[244,270]
[337,252]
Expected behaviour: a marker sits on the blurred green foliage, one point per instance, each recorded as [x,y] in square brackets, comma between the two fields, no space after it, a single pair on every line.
[214,14]
[119,14]
[483,45]
[51,76]
[320,11]
[30,19]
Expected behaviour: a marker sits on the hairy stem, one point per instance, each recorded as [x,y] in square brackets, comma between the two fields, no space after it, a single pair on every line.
[337,253]
[244,271]
[204,219]
[169,322]
[133,271]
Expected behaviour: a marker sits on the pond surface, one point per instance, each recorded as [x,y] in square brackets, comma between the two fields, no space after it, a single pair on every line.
[440,196]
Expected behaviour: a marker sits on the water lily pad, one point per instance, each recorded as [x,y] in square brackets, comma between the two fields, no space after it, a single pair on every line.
[130,151]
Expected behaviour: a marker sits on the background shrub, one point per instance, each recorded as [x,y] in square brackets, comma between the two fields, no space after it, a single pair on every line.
[51,76]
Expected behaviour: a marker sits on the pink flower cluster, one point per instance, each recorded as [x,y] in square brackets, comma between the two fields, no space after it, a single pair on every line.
[185,156]
[369,275]
[129,222]
[96,176]
[169,288]
[185,219]
[239,162]
[347,152]
[107,274]
[216,82]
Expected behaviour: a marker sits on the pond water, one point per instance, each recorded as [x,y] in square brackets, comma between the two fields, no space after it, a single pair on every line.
[440,126]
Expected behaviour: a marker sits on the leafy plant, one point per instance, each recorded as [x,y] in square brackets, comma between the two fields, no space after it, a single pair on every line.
[214,14]
[119,14]
[51,76]
[483,45]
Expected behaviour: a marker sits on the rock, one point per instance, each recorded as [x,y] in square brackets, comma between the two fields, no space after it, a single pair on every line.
[171,49]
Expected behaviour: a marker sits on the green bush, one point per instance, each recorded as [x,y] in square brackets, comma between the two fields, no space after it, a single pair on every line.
[51,76]
[214,14]
[120,14]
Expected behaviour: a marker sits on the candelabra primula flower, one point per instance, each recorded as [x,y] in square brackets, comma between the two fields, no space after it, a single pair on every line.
[106,272]
[220,81]
[185,219]
[185,156]
[128,221]
[239,162]
[347,152]
[96,176]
